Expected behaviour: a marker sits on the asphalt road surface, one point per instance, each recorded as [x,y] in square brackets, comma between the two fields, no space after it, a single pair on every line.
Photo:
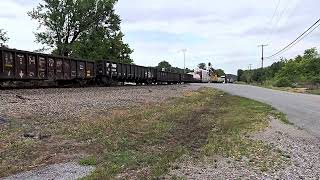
[302,109]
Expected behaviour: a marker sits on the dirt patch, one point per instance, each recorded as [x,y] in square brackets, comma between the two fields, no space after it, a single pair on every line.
[298,90]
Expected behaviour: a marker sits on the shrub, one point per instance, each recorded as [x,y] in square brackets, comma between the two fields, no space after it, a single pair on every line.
[283,82]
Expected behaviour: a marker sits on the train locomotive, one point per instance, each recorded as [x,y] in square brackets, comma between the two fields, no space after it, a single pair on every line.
[22,68]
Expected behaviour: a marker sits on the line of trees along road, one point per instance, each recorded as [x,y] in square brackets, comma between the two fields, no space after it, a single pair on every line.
[301,71]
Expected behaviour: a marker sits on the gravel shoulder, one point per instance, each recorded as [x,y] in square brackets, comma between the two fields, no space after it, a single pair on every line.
[70,171]
[300,148]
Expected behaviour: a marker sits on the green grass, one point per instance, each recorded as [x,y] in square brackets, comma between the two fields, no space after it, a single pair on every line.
[243,117]
[280,116]
[144,142]
[88,161]
[269,85]
[315,91]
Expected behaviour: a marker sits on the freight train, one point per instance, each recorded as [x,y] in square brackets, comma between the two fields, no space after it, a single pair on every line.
[22,68]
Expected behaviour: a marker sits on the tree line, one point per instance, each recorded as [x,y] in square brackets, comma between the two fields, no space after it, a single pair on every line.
[301,71]
[166,66]
[88,29]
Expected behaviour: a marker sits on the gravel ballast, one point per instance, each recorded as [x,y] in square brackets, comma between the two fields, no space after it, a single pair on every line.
[75,102]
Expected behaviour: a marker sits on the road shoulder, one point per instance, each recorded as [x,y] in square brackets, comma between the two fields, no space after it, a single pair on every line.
[300,148]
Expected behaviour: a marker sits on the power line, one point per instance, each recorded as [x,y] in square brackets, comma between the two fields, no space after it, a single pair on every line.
[275,11]
[273,16]
[305,35]
[287,6]
[298,39]
[282,13]
[278,18]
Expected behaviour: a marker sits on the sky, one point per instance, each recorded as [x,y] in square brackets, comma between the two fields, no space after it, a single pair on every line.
[225,33]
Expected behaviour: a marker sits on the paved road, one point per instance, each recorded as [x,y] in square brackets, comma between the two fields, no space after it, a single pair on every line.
[302,109]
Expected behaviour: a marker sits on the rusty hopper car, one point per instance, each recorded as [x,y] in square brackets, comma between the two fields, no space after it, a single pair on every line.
[34,68]
[109,72]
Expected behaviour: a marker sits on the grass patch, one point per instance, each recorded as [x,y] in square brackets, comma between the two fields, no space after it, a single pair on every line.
[287,89]
[243,116]
[281,116]
[88,161]
[144,142]
[315,91]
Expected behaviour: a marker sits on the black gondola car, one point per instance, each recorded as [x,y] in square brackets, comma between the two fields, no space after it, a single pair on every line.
[187,78]
[16,65]
[108,72]
[168,77]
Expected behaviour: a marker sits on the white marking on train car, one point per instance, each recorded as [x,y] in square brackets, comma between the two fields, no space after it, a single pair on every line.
[21,74]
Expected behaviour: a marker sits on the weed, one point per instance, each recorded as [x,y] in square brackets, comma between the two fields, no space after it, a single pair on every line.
[88,161]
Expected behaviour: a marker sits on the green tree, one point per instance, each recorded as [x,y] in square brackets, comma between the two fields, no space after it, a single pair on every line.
[97,47]
[310,53]
[81,28]
[164,65]
[220,72]
[270,72]
[302,71]
[202,66]
[3,37]
[239,74]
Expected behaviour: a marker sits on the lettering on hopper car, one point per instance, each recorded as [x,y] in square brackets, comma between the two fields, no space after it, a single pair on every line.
[31,74]
[51,62]
[32,60]
[21,74]
[20,58]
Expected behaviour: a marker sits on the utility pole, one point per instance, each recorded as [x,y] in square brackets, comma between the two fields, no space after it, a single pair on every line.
[184,59]
[250,73]
[262,57]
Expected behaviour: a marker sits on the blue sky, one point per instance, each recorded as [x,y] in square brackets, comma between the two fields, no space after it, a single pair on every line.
[225,33]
